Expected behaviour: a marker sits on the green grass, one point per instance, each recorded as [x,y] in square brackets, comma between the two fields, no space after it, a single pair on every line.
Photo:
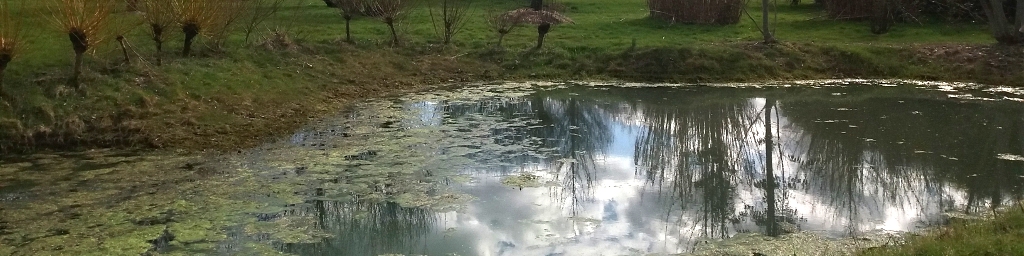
[225,91]
[1003,235]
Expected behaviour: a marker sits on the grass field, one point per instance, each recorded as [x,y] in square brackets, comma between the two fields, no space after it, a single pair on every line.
[221,93]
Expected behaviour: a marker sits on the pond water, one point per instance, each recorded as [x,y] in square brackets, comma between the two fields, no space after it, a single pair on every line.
[560,169]
[607,170]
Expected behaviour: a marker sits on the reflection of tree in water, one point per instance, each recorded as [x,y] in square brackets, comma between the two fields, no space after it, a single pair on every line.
[578,131]
[700,147]
[575,130]
[366,229]
[864,147]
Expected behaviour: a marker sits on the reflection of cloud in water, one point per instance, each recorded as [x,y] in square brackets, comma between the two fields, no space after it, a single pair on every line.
[535,222]
[658,176]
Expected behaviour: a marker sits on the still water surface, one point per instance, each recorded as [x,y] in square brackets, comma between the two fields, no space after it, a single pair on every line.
[613,170]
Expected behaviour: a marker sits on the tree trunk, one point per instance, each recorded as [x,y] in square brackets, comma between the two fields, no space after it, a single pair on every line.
[77,72]
[765,30]
[769,166]
[394,35]
[124,49]
[159,52]
[330,4]
[501,37]
[542,30]
[348,28]
[999,22]
[158,32]
[2,92]
[80,43]
[191,31]
[4,60]
[1020,20]
[881,17]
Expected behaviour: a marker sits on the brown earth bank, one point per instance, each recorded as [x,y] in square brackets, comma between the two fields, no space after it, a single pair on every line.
[316,82]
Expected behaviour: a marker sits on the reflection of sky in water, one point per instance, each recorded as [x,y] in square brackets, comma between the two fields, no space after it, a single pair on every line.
[620,211]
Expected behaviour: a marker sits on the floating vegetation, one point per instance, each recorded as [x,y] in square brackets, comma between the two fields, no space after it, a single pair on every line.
[394,173]
[801,243]
[525,180]
[1010,157]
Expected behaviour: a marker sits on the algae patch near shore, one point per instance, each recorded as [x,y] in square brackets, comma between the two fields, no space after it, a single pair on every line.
[114,202]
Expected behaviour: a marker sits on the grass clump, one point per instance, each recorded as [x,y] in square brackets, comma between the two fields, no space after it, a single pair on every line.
[1003,235]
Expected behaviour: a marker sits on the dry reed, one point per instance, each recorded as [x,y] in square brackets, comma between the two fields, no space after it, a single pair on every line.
[720,12]
[85,22]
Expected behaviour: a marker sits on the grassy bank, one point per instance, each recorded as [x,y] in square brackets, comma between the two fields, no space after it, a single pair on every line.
[296,67]
[999,236]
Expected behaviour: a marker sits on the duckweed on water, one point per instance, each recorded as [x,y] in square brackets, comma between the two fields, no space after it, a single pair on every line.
[525,180]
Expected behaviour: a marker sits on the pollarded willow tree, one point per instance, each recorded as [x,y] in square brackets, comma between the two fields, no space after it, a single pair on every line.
[449,17]
[1006,20]
[542,28]
[502,23]
[195,17]
[159,16]
[349,9]
[544,19]
[391,12]
[84,21]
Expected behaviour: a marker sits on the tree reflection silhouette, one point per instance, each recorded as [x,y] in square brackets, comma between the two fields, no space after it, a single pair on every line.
[366,229]
[698,146]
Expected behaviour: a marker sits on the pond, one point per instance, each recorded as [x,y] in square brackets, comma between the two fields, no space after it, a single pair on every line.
[589,169]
